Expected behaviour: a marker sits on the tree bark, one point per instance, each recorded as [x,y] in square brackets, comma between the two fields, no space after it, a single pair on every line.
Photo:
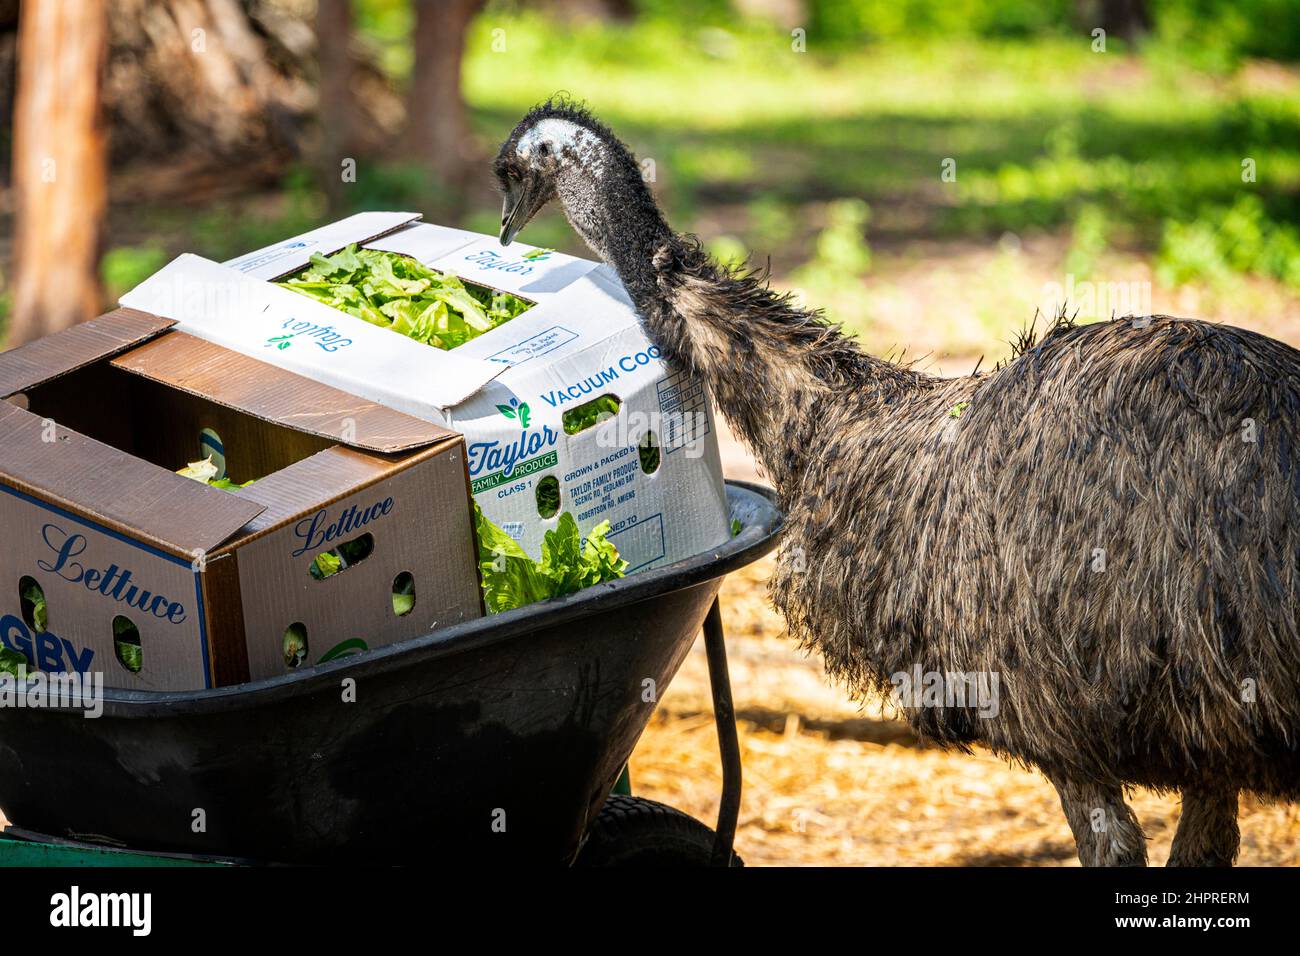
[337,112]
[59,166]
[1128,19]
[438,131]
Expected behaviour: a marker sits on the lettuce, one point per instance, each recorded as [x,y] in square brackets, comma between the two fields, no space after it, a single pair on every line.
[325,564]
[404,597]
[34,596]
[205,472]
[590,413]
[13,662]
[512,579]
[126,644]
[398,293]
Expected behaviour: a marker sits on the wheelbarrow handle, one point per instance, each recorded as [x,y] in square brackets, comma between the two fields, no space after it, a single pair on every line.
[724,716]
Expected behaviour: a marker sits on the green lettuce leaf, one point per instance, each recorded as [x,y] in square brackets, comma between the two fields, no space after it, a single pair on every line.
[401,294]
[11,661]
[512,579]
[325,564]
[40,613]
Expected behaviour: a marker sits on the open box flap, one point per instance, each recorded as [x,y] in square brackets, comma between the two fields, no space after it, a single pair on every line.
[423,241]
[55,355]
[77,473]
[290,255]
[273,394]
[268,322]
[313,482]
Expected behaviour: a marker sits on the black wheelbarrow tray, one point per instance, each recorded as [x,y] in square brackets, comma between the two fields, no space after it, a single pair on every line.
[495,740]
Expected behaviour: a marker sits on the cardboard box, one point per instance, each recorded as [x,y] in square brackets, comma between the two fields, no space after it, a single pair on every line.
[94,423]
[507,391]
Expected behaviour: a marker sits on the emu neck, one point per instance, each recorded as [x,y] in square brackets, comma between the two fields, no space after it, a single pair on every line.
[768,363]
[612,209]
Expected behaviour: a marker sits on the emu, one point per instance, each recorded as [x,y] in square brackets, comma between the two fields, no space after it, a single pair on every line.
[1109,521]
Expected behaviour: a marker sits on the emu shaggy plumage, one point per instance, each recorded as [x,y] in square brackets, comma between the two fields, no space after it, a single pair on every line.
[1109,522]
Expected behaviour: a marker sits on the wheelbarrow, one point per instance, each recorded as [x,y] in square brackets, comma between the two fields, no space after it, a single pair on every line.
[497,740]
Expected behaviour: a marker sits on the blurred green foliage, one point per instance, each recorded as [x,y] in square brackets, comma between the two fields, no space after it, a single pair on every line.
[854,21]
[814,160]
[1216,33]
[122,268]
[1236,238]
[1220,33]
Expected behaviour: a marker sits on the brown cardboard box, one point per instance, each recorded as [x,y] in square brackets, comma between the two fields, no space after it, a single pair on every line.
[94,423]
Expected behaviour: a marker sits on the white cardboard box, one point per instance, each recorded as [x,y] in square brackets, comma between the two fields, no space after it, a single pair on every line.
[506,390]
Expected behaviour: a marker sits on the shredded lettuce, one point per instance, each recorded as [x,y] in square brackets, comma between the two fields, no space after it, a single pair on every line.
[397,292]
[512,579]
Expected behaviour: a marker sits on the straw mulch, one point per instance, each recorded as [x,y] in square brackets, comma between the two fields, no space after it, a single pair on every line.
[829,783]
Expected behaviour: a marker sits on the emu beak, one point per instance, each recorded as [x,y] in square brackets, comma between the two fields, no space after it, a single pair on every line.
[522,201]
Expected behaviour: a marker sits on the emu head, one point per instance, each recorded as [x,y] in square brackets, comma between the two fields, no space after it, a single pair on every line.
[560,151]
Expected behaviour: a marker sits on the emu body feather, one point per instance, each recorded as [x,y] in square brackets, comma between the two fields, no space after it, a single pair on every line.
[1110,521]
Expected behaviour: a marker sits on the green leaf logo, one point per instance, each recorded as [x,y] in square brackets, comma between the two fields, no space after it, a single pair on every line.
[346,648]
[516,411]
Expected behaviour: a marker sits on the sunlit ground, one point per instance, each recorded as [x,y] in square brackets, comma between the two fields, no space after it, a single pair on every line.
[829,783]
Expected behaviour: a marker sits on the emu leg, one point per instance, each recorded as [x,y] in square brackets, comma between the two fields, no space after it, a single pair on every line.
[1207,832]
[1106,833]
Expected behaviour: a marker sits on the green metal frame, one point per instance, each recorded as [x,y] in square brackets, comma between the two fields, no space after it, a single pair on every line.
[23,851]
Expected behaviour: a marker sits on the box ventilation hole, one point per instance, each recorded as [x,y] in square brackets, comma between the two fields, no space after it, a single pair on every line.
[403,594]
[211,446]
[31,598]
[294,644]
[328,563]
[592,413]
[648,450]
[548,496]
[126,644]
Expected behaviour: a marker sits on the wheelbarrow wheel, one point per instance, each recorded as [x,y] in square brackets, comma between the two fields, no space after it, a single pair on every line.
[636,832]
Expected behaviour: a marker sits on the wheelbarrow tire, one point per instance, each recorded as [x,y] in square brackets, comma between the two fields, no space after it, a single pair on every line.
[636,832]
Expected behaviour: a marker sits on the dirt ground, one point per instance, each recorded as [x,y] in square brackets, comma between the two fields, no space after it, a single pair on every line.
[829,783]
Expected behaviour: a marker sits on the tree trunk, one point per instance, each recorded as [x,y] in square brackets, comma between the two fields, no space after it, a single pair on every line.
[438,130]
[337,113]
[59,166]
[1128,19]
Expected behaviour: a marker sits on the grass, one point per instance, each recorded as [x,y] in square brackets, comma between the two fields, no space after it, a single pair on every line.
[1133,162]
[1037,129]
[828,164]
